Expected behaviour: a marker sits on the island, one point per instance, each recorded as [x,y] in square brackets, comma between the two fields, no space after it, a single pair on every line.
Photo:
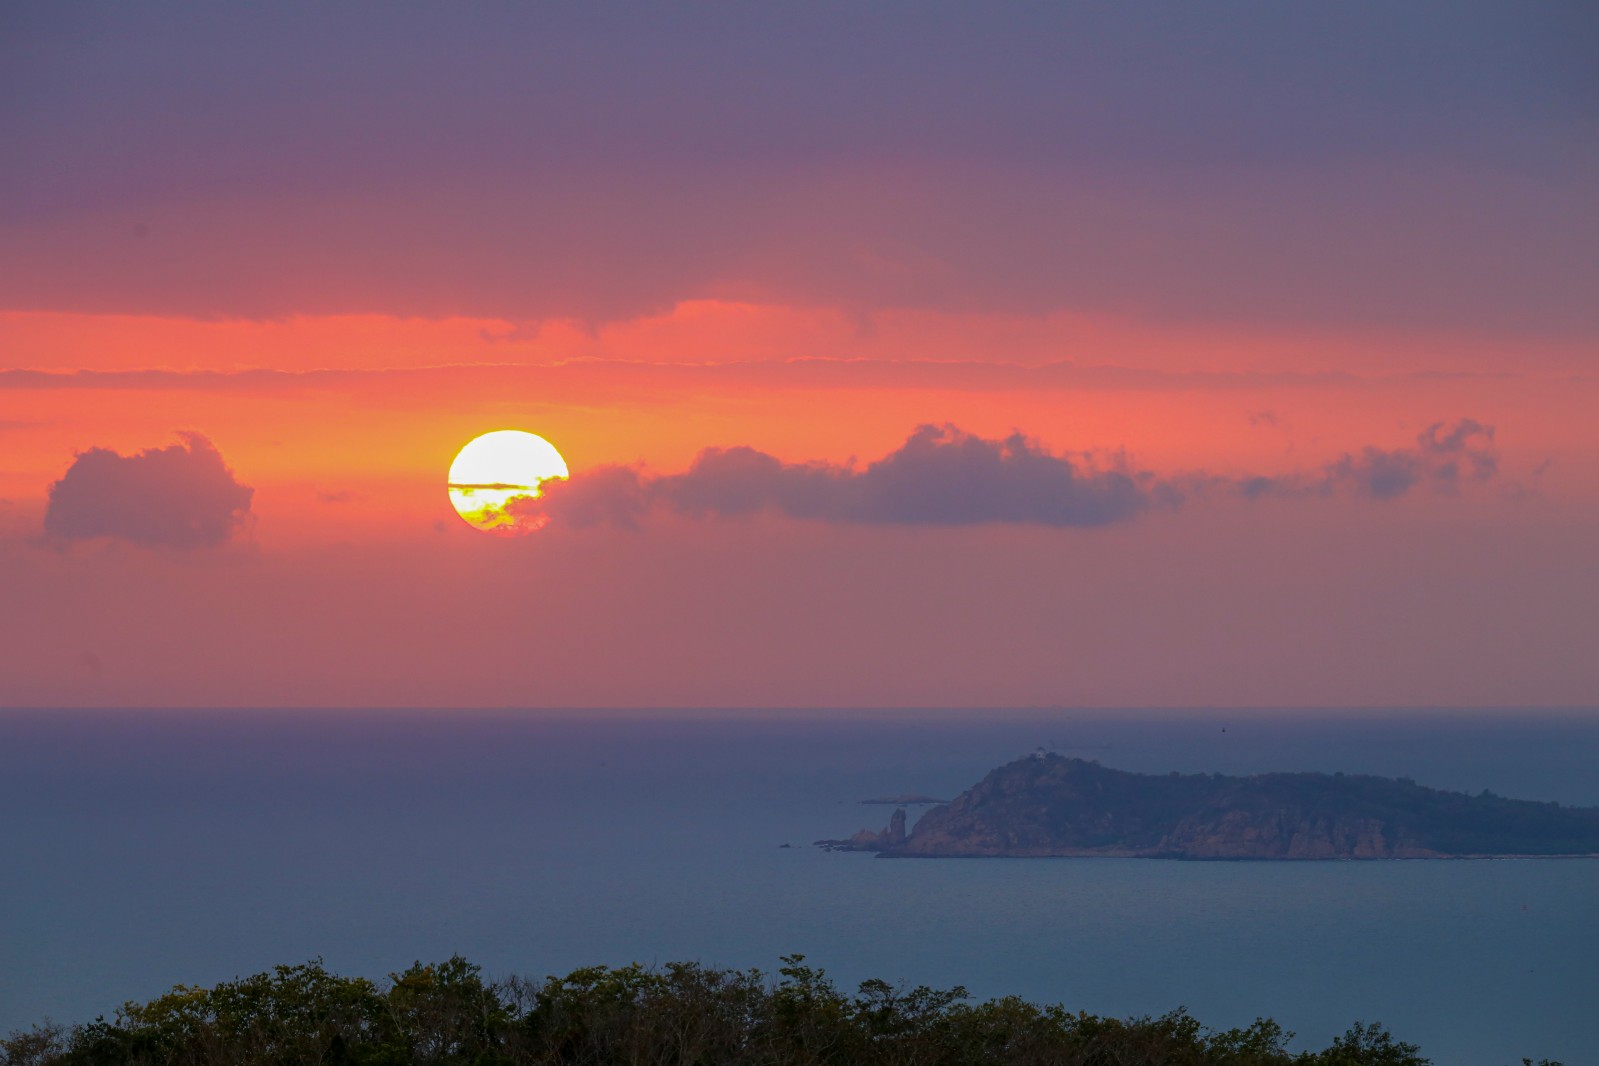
[906,799]
[1050,805]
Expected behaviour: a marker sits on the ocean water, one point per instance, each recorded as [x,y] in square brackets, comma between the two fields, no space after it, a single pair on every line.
[139,849]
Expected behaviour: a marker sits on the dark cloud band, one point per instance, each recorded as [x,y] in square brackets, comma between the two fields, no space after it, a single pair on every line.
[942,476]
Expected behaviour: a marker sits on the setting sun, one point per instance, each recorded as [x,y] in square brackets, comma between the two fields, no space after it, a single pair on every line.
[498,468]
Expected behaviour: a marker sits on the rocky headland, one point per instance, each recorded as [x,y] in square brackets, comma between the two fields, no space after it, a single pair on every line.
[1047,805]
[890,838]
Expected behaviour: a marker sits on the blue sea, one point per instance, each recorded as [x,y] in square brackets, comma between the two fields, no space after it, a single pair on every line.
[140,849]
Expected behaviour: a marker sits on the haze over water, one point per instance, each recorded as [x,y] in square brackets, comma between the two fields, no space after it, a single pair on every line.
[147,848]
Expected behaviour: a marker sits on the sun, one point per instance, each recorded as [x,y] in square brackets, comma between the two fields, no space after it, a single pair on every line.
[497,471]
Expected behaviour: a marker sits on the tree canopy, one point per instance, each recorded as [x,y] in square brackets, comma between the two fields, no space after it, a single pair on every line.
[681,1014]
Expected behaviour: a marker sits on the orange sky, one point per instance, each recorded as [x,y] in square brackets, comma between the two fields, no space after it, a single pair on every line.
[1339,340]
[356,401]
[353,581]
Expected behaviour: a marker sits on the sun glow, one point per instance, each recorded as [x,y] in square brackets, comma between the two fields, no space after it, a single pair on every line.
[497,471]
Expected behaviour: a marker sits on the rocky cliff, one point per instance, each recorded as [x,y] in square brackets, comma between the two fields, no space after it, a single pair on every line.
[1046,805]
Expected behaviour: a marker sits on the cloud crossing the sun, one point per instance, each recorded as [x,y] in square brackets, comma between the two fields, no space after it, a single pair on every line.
[184,496]
[940,476]
[943,476]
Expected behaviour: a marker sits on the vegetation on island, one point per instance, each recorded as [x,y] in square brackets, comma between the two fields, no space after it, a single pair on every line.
[683,1014]
[1047,805]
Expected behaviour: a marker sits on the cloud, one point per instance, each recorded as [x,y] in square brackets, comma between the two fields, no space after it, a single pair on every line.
[940,476]
[1469,442]
[626,377]
[182,496]
[943,476]
[605,495]
[1444,455]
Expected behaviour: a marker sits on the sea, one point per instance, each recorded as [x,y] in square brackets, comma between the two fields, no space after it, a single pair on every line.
[140,849]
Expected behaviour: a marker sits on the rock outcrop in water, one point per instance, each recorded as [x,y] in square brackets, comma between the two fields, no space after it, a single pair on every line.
[866,840]
[1046,805]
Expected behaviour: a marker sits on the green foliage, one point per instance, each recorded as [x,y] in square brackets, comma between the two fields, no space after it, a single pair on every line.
[684,1014]
[1368,1045]
[37,1046]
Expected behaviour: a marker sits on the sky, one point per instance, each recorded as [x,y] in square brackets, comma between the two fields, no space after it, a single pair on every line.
[903,354]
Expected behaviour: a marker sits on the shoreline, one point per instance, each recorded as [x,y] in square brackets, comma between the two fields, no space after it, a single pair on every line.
[1224,858]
